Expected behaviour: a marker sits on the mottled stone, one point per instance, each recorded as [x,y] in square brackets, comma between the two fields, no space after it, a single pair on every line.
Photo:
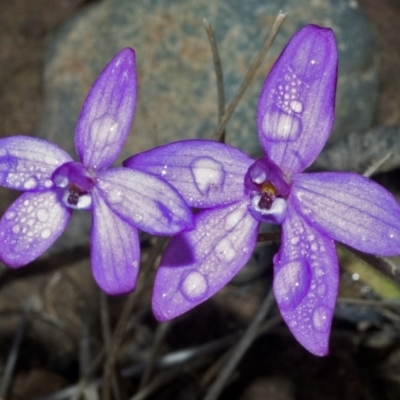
[177,89]
[360,150]
[177,97]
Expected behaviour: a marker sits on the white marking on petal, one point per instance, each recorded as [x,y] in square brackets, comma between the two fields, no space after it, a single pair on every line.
[209,174]
[194,286]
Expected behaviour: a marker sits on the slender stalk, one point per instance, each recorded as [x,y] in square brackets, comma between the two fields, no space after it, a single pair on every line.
[130,304]
[375,167]
[13,354]
[241,348]
[218,74]
[161,331]
[250,75]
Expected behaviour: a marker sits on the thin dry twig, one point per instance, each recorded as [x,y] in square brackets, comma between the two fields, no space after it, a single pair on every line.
[13,354]
[250,75]
[375,166]
[167,377]
[383,303]
[384,265]
[78,389]
[119,331]
[162,330]
[241,348]
[218,74]
[169,360]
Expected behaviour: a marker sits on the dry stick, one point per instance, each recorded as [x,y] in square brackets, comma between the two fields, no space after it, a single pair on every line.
[92,368]
[106,332]
[241,348]
[161,331]
[384,303]
[13,355]
[250,75]
[218,74]
[375,167]
[386,266]
[213,370]
[119,331]
[165,378]
[167,361]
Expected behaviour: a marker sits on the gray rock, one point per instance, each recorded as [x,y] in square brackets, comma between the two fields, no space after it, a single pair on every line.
[177,90]
[360,150]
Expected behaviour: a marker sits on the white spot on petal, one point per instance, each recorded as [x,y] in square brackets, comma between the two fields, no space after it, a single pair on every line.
[194,286]
[322,318]
[279,126]
[208,174]
[42,215]
[296,106]
[45,233]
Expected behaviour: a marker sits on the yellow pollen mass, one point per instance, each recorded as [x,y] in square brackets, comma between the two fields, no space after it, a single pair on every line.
[268,188]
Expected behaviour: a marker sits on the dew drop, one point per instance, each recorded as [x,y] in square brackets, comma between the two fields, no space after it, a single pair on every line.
[16,229]
[321,289]
[45,233]
[225,251]
[322,318]
[234,218]
[194,286]
[279,126]
[42,215]
[292,283]
[115,196]
[48,183]
[10,215]
[296,106]
[208,174]
[31,183]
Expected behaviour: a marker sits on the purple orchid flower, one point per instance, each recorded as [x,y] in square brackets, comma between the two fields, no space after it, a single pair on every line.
[122,200]
[295,116]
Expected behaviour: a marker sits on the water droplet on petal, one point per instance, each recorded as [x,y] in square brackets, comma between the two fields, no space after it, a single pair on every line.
[322,318]
[48,183]
[296,106]
[10,215]
[42,215]
[31,183]
[225,250]
[16,229]
[194,286]
[321,289]
[45,233]
[209,174]
[292,283]
[232,219]
[280,126]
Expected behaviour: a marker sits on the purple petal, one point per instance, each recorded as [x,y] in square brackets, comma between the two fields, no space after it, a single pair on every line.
[145,201]
[27,163]
[115,249]
[306,282]
[204,172]
[296,107]
[350,209]
[30,226]
[197,264]
[106,116]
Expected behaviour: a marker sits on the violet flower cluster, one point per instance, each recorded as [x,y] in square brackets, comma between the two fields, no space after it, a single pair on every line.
[121,200]
[234,192]
[294,117]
